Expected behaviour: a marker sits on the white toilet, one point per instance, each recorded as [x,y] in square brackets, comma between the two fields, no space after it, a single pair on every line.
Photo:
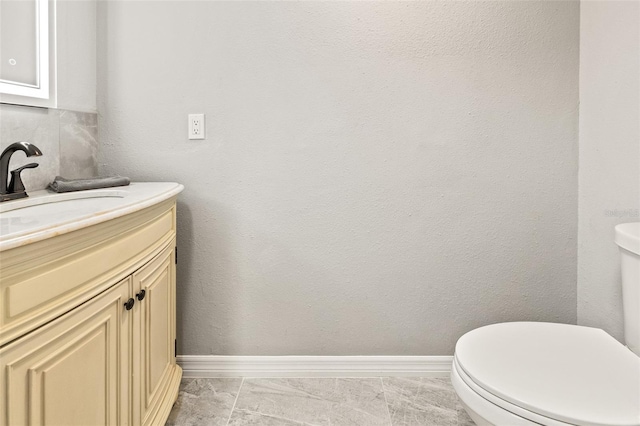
[528,373]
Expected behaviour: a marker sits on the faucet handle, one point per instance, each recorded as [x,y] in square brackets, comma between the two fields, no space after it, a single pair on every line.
[16,184]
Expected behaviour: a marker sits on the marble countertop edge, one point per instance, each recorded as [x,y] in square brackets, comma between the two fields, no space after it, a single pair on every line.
[30,236]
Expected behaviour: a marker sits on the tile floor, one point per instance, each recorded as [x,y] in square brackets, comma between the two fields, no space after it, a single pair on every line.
[388,401]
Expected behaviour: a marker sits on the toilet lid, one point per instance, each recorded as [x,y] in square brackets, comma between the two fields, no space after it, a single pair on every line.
[578,375]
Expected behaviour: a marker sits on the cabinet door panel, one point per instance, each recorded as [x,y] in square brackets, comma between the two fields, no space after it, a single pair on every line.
[71,371]
[157,332]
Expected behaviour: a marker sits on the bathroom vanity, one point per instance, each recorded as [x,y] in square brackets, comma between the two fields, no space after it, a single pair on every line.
[87,307]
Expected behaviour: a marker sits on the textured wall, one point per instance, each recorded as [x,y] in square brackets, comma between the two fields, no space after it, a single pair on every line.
[378,178]
[76,54]
[609,180]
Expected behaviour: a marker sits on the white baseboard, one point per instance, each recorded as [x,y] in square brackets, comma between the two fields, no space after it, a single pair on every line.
[313,366]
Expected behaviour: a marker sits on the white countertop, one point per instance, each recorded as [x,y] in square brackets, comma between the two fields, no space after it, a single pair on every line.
[44,219]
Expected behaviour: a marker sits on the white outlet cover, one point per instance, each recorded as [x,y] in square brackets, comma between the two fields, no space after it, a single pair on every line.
[196,126]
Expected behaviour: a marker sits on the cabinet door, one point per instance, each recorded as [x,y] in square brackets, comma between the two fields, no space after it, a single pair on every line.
[157,334]
[74,370]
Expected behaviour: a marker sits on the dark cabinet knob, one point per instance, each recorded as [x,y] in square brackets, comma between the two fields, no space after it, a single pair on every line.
[129,304]
[141,295]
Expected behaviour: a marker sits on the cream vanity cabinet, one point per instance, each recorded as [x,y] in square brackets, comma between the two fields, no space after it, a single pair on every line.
[87,324]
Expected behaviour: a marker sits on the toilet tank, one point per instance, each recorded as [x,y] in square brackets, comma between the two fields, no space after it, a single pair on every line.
[628,239]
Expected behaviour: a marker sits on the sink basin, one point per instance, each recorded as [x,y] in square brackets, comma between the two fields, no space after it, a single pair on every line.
[46,214]
[38,198]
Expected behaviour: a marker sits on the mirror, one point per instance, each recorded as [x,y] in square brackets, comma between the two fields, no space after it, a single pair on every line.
[24,49]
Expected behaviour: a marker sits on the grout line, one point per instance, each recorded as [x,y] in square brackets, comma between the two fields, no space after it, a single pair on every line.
[235,401]
[273,416]
[384,393]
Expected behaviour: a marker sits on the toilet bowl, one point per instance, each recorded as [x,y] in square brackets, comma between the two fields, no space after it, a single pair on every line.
[532,373]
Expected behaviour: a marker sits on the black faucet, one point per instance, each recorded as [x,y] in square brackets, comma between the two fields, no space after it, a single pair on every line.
[15,189]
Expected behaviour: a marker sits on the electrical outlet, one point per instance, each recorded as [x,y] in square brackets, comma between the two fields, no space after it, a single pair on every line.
[196,126]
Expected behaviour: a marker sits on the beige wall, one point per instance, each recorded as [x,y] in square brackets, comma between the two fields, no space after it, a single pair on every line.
[377,178]
[609,179]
